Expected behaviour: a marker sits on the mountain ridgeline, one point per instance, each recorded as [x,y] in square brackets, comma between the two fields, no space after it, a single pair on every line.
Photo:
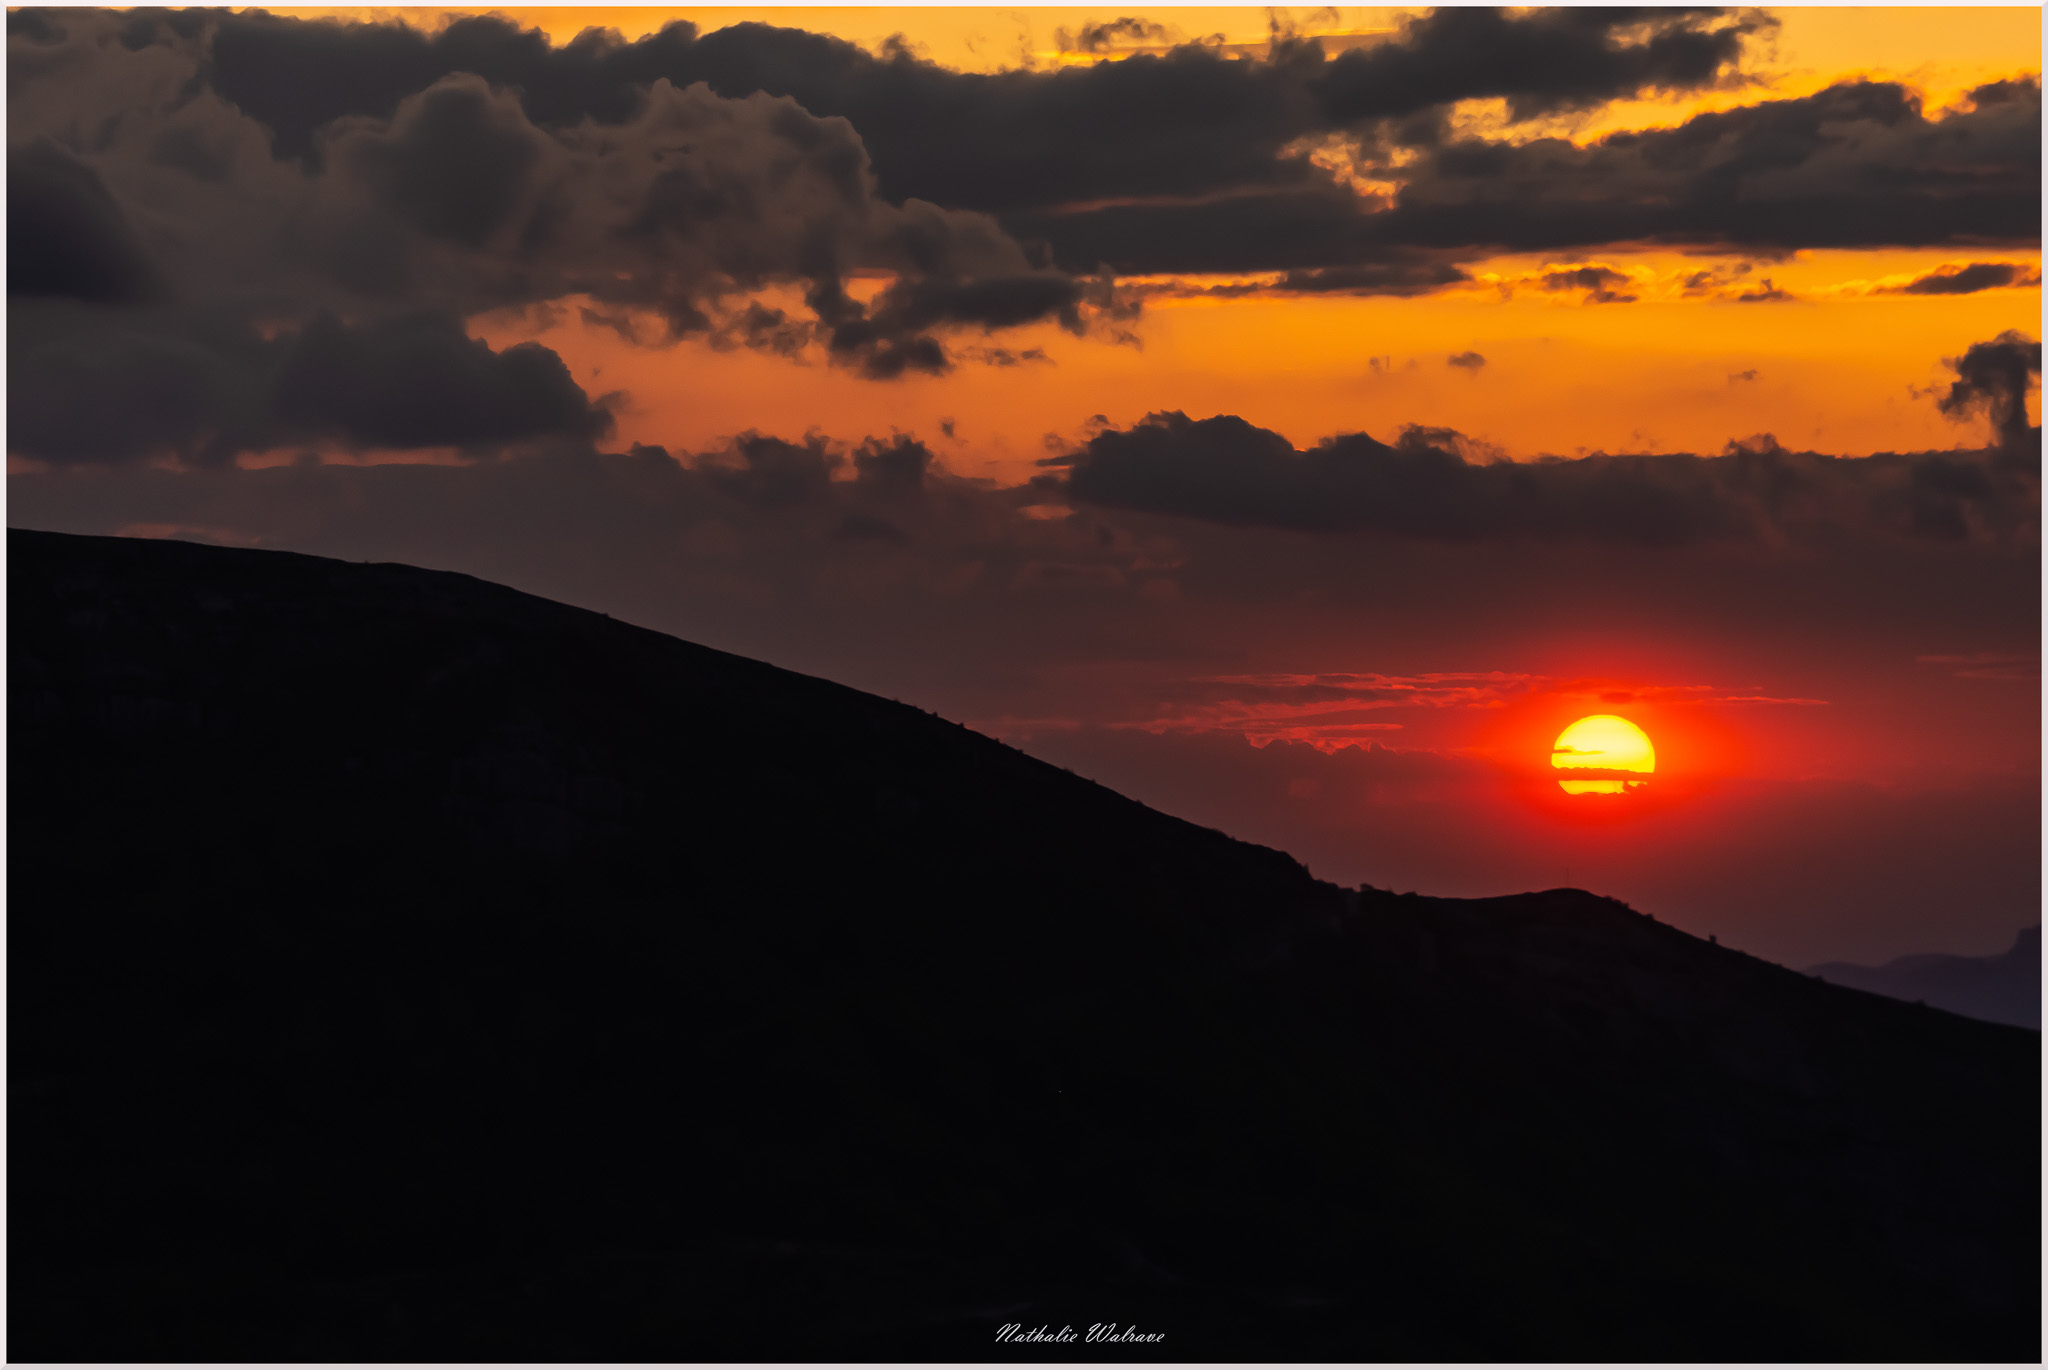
[403,967]
[2004,988]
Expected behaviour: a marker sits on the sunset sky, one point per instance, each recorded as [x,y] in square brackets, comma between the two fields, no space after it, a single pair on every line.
[1292,419]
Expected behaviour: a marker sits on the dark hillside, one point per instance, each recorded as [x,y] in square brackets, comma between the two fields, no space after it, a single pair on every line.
[405,967]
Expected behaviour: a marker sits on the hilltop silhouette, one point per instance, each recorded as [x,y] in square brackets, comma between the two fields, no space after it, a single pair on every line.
[404,967]
[2003,988]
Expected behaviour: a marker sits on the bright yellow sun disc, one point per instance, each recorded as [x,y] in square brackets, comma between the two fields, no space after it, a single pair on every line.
[1602,742]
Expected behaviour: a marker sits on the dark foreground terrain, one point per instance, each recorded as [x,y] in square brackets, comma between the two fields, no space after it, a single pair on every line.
[404,967]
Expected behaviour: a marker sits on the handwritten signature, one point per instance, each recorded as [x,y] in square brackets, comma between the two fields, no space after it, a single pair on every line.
[1097,1332]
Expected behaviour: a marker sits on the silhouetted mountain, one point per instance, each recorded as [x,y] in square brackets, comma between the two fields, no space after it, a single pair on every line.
[405,967]
[2005,988]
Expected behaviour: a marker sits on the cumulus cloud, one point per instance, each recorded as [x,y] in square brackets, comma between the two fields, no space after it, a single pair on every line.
[66,236]
[419,381]
[134,182]
[1186,160]
[1225,470]
[695,200]
[1190,121]
[1993,379]
[205,388]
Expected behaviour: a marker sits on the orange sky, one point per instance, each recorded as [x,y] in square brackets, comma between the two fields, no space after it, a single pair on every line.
[1838,369]
[1835,370]
[1944,50]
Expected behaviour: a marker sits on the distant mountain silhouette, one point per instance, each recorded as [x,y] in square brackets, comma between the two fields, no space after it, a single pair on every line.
[2005,988]
[403,967]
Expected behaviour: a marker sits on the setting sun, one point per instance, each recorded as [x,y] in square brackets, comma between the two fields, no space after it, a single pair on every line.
[1603,742]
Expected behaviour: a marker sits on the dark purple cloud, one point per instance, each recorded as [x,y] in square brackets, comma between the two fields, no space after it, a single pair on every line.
[1225,470]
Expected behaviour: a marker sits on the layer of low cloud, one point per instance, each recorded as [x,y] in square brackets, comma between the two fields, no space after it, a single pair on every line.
[1425,484]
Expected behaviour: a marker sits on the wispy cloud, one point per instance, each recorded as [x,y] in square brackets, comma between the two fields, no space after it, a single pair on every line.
[1335,709]
[1989,665]
[1666,696]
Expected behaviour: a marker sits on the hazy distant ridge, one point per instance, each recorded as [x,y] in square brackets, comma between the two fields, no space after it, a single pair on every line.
[2005,988]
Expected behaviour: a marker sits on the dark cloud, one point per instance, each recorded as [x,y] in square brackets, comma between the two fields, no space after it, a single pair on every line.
[978,141]
[1765,293]
[85,388]
[1402,275]
[1540,61]
[890,333]
[1004,357]
[769,474]
[1309,228]
[1994,378]
[898,465]
[456,165]
[420,381]
[1469,361]
[1968,280]
[66,236]
[1227,471]
[1114,33]
[1182,161]
[1855,165]
[205,389]
[772,473]
[1374,278]
[449,195]
[1186,122]
[1583,278]
[1597,281]
[887,359]
[695,199]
